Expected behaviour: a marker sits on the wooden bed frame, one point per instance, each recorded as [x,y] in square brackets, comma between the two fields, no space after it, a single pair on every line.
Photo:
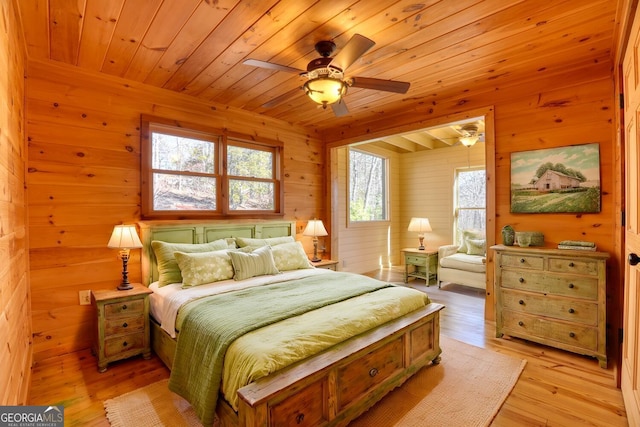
[329,389]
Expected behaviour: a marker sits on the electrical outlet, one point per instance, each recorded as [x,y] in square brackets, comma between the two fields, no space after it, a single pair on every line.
[85,297]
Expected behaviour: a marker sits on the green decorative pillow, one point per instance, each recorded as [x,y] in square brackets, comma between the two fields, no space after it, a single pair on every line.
[290,256]
[269,241]
[256,263]
[469,234]
[476,246]
[168,269]
[204,267]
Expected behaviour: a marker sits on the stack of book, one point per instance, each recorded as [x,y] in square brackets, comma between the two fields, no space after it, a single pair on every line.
[579,245]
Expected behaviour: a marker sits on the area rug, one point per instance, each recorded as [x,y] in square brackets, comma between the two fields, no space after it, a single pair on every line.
[467,388]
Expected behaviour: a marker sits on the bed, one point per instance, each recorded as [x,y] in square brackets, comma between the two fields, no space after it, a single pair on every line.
[318,348]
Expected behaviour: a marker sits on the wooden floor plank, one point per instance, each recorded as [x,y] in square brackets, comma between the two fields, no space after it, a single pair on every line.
[556,388]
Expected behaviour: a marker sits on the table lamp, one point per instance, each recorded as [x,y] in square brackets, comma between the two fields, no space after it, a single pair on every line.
[420,225]
[124,237]
[315,228]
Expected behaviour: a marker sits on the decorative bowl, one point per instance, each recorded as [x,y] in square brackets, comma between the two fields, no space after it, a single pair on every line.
[529,238]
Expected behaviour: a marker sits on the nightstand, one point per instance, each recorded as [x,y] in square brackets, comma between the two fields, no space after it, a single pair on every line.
[121,324]
[424,263]
[327,264]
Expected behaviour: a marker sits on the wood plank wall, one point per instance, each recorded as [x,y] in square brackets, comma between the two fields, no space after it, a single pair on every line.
[549,109]
[15,309]
[84,177]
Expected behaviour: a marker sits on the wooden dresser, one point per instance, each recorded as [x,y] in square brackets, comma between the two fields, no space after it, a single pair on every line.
[552,296]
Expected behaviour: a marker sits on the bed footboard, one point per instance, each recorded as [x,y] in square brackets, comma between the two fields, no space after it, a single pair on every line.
[336,386]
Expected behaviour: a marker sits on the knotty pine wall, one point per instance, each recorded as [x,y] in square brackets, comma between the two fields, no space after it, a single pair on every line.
[84,177]
[15,308]
[546,109]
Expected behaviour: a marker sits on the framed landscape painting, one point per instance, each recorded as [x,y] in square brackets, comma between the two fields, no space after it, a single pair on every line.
[552,180]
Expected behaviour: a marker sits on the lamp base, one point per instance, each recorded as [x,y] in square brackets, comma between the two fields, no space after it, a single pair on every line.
[316,259]
[421,239]
[421,248]
[124,286]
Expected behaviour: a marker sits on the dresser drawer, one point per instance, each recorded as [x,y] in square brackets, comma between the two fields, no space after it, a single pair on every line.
[126,308]
[575,266]
[522,261]
[362,374]
[543,305]
[565,285]
[530,327]
[115,326]
[303,408]
[124,343]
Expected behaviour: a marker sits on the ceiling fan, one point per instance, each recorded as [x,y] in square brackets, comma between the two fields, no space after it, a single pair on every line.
[326,83]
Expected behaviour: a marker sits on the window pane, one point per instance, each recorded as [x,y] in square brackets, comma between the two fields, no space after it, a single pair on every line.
[177,153]
[251,195]
[471,189]
[181,192]
[471,219]
[367,192]
[250,163]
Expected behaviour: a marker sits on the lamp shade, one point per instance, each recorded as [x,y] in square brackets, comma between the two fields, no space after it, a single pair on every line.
[315,228]
[124,237]
[419,225]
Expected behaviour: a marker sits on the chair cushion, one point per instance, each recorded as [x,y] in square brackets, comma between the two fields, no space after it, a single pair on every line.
[460,261]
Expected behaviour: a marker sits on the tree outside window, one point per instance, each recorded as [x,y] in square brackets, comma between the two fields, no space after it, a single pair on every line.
[367,187]
[470,200]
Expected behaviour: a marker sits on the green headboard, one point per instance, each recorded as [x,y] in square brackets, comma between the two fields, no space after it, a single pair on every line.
[202,232]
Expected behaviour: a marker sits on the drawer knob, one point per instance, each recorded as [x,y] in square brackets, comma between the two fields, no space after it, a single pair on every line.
[521,302]
[124,306]
[572,335]
[571,285]
[571,310]
[571,264]
[125,324]
[124,344]
[373,372]
[521,323]
[299,418]
[634,259]
[521,280]
[522,260]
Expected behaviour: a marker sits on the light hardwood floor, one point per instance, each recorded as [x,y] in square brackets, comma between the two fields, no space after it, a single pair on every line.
[556,388]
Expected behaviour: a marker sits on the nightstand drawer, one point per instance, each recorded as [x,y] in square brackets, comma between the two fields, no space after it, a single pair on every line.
[415,260]
[124,343]
[124,325]
[125,308]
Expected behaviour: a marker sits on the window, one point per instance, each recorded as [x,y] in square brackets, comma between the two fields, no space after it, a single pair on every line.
[367,187]
[183,174]
[470,200]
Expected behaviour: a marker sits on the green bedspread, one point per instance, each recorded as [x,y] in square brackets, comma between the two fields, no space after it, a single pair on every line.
[211,324]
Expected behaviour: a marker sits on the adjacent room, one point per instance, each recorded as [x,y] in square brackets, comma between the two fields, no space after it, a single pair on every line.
[378,208]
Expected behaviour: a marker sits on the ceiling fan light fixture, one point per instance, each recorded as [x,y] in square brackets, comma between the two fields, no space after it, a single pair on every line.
[469,135]
[469,141]
[325,90]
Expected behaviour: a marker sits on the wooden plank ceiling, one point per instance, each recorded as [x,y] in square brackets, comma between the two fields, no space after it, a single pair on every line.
[442,47]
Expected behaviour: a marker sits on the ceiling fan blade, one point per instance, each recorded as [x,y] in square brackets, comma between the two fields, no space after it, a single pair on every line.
[272,66]
[282,98]
[379,84]
[354,49]
[340,108]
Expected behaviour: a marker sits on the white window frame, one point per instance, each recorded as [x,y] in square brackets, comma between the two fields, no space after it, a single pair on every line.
[385,161]
[456,208]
